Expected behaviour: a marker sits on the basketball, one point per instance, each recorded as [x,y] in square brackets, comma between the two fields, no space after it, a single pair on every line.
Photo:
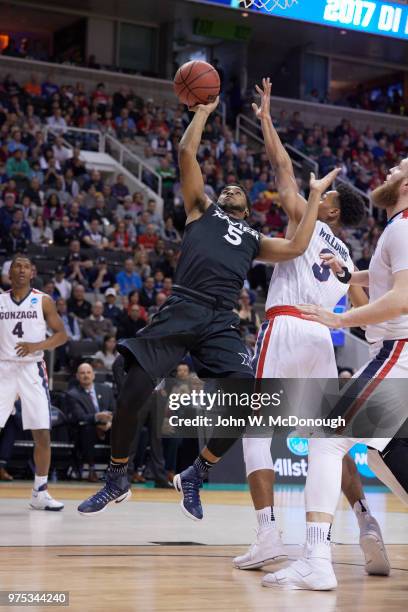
[196,82]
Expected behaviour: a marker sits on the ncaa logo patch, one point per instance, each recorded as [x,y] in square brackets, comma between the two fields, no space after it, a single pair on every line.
[33,301]
[298,446]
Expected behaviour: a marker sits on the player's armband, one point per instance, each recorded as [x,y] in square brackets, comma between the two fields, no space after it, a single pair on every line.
[345,276]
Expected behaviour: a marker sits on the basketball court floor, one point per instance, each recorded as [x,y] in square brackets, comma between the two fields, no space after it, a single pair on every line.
[146,556]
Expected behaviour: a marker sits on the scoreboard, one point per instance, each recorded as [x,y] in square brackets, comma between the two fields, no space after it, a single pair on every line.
[369,16]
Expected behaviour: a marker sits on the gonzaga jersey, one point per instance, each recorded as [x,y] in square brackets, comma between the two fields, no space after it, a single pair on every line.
[390,257]
[304,280]
[21,322]
[216,254]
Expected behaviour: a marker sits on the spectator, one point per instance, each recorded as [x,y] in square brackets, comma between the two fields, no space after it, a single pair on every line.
[18,167]
[326,161]
[41,233]
[77,304]
[70,322]
[148,293]
[93,237]
[63,235]
[120,240]
[57,122]
[248,318]
[170,233]
[100,277]
[7,212]
[91,406]
[14,241]
[96,326]
[63,286]
[160,299]
[148,240]
[128,279]
[108,353]
[134,298]
[364,261]
[131,323]
[119,189]
[53,211]
[110,310]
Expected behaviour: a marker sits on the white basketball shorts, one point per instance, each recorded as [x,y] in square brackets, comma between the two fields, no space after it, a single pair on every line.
[29,382]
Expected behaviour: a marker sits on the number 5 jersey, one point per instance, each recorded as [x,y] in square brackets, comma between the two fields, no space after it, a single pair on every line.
[21,322]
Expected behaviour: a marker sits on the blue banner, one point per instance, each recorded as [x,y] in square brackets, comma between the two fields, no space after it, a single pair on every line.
[370,16]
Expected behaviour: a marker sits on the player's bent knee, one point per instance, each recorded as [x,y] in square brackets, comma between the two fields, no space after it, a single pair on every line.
[257,454]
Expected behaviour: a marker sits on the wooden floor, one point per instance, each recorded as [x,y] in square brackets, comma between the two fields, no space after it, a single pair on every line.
[184,566]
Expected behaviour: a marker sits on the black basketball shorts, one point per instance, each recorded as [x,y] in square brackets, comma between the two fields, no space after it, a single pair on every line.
[183,325]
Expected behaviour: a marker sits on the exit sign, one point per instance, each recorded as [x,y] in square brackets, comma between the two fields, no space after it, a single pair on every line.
[221,29]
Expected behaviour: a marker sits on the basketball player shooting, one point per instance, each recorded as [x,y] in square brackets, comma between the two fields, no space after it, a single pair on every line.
[25,314]
[217,251]
[386,322]
[285,340]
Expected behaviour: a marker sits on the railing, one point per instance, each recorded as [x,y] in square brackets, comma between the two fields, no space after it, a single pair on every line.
[87,140]
[133,163]
[248,126]
[94,140]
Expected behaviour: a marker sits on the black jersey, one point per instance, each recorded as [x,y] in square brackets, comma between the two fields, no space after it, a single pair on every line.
[216,254]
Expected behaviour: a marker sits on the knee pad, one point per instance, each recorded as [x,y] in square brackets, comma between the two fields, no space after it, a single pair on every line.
[391,466]
[257,454]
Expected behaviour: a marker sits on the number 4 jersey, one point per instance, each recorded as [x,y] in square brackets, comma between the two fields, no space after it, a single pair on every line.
[304,280]
[21,322]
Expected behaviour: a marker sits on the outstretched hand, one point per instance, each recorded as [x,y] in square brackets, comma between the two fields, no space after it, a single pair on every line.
[320,315]
[208,108]
[324,183]
[264,110]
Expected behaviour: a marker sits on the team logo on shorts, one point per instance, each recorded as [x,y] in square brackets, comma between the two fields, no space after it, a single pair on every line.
[246,359]
[33,301]
[298,446]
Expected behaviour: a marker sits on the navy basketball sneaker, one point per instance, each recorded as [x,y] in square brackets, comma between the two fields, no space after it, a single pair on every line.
[116,490]
[189,483]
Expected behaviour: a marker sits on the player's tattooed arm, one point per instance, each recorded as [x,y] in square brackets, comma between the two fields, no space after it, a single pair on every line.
[282,249]
[291,201]
[192,183]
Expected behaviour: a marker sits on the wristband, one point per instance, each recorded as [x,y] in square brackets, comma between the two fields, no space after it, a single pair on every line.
[345,276]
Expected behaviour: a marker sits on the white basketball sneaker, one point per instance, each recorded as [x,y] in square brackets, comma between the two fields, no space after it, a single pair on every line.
[42,500]
[267,547]
[372,545]
[312,572]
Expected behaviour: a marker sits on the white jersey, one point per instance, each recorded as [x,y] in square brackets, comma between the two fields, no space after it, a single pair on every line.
[390,256]
[304,280]
[21,322]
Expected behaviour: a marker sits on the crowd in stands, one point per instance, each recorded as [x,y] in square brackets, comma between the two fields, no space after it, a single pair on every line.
[117,254]
[382,100]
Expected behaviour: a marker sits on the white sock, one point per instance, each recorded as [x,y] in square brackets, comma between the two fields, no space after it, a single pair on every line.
[265,518]
[318,533]
[39,481]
